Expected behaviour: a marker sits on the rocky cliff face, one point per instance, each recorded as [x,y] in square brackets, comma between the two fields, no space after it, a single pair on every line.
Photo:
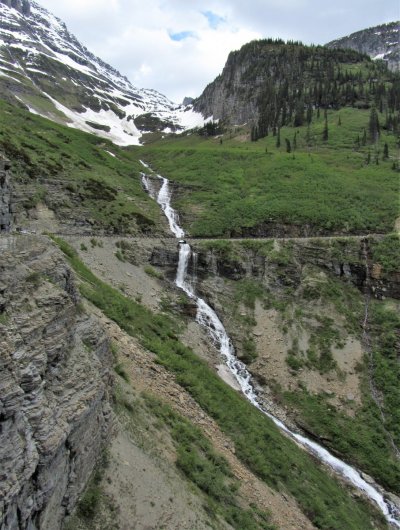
[5,196]
[54,406]
[379,42]
[352,260]
[231,97]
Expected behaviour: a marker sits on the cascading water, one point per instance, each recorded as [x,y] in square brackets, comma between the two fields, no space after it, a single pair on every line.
[207,317]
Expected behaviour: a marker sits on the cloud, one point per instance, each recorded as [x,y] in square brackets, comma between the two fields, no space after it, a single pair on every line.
[179,46]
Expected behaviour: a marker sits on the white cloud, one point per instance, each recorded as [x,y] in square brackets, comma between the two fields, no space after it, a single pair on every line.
[135,36]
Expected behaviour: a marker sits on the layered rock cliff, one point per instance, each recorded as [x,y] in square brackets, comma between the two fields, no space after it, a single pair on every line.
[54,405]
[353,260]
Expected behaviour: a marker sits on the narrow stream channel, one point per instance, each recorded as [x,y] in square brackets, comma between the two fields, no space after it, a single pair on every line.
[207,317]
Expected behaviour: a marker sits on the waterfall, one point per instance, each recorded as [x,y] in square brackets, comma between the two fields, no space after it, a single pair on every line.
[148,186]
[164,200]
[208,318]
[181,274]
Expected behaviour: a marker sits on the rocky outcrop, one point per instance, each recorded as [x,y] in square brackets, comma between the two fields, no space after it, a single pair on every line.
[379,42]
[5,196]
[344,258]
[55,378]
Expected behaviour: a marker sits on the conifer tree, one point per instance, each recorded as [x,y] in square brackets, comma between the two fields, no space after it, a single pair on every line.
[278,139]
[325,133]
[385,152]
[309,114]
[308,135]
[373,125]
[364,138]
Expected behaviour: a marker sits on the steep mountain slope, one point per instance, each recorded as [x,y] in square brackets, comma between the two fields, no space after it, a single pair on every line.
[269,83]
[379,42]
[67,180]
[47,69]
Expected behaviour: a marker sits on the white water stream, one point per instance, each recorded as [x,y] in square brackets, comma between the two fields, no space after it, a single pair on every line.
[207,317]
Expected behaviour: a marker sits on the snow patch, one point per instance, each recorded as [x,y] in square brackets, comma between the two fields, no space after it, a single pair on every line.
[121,132]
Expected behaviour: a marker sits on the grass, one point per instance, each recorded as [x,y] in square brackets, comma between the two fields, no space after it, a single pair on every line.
[120,370]
[152,272]
[209,471]
[247,291]
[230,189]
[4,318]
[258,443]
[119,255]
[34,278]
[90,501]
[91,185]
[387,252]
[355,438]
[385,331]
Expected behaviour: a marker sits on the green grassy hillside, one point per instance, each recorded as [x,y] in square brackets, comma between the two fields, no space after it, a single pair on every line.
[77,175]
[230,186]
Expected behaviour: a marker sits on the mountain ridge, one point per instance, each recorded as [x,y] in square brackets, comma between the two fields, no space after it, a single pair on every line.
[45,68]
[379,42]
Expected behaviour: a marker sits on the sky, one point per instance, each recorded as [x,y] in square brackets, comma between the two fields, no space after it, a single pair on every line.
[179,46]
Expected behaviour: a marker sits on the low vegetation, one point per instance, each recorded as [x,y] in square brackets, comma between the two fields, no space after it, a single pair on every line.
[209,471]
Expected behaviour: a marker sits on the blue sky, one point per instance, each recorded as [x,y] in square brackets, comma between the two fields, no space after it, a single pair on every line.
[182,35]
[213,19]
[179,46]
